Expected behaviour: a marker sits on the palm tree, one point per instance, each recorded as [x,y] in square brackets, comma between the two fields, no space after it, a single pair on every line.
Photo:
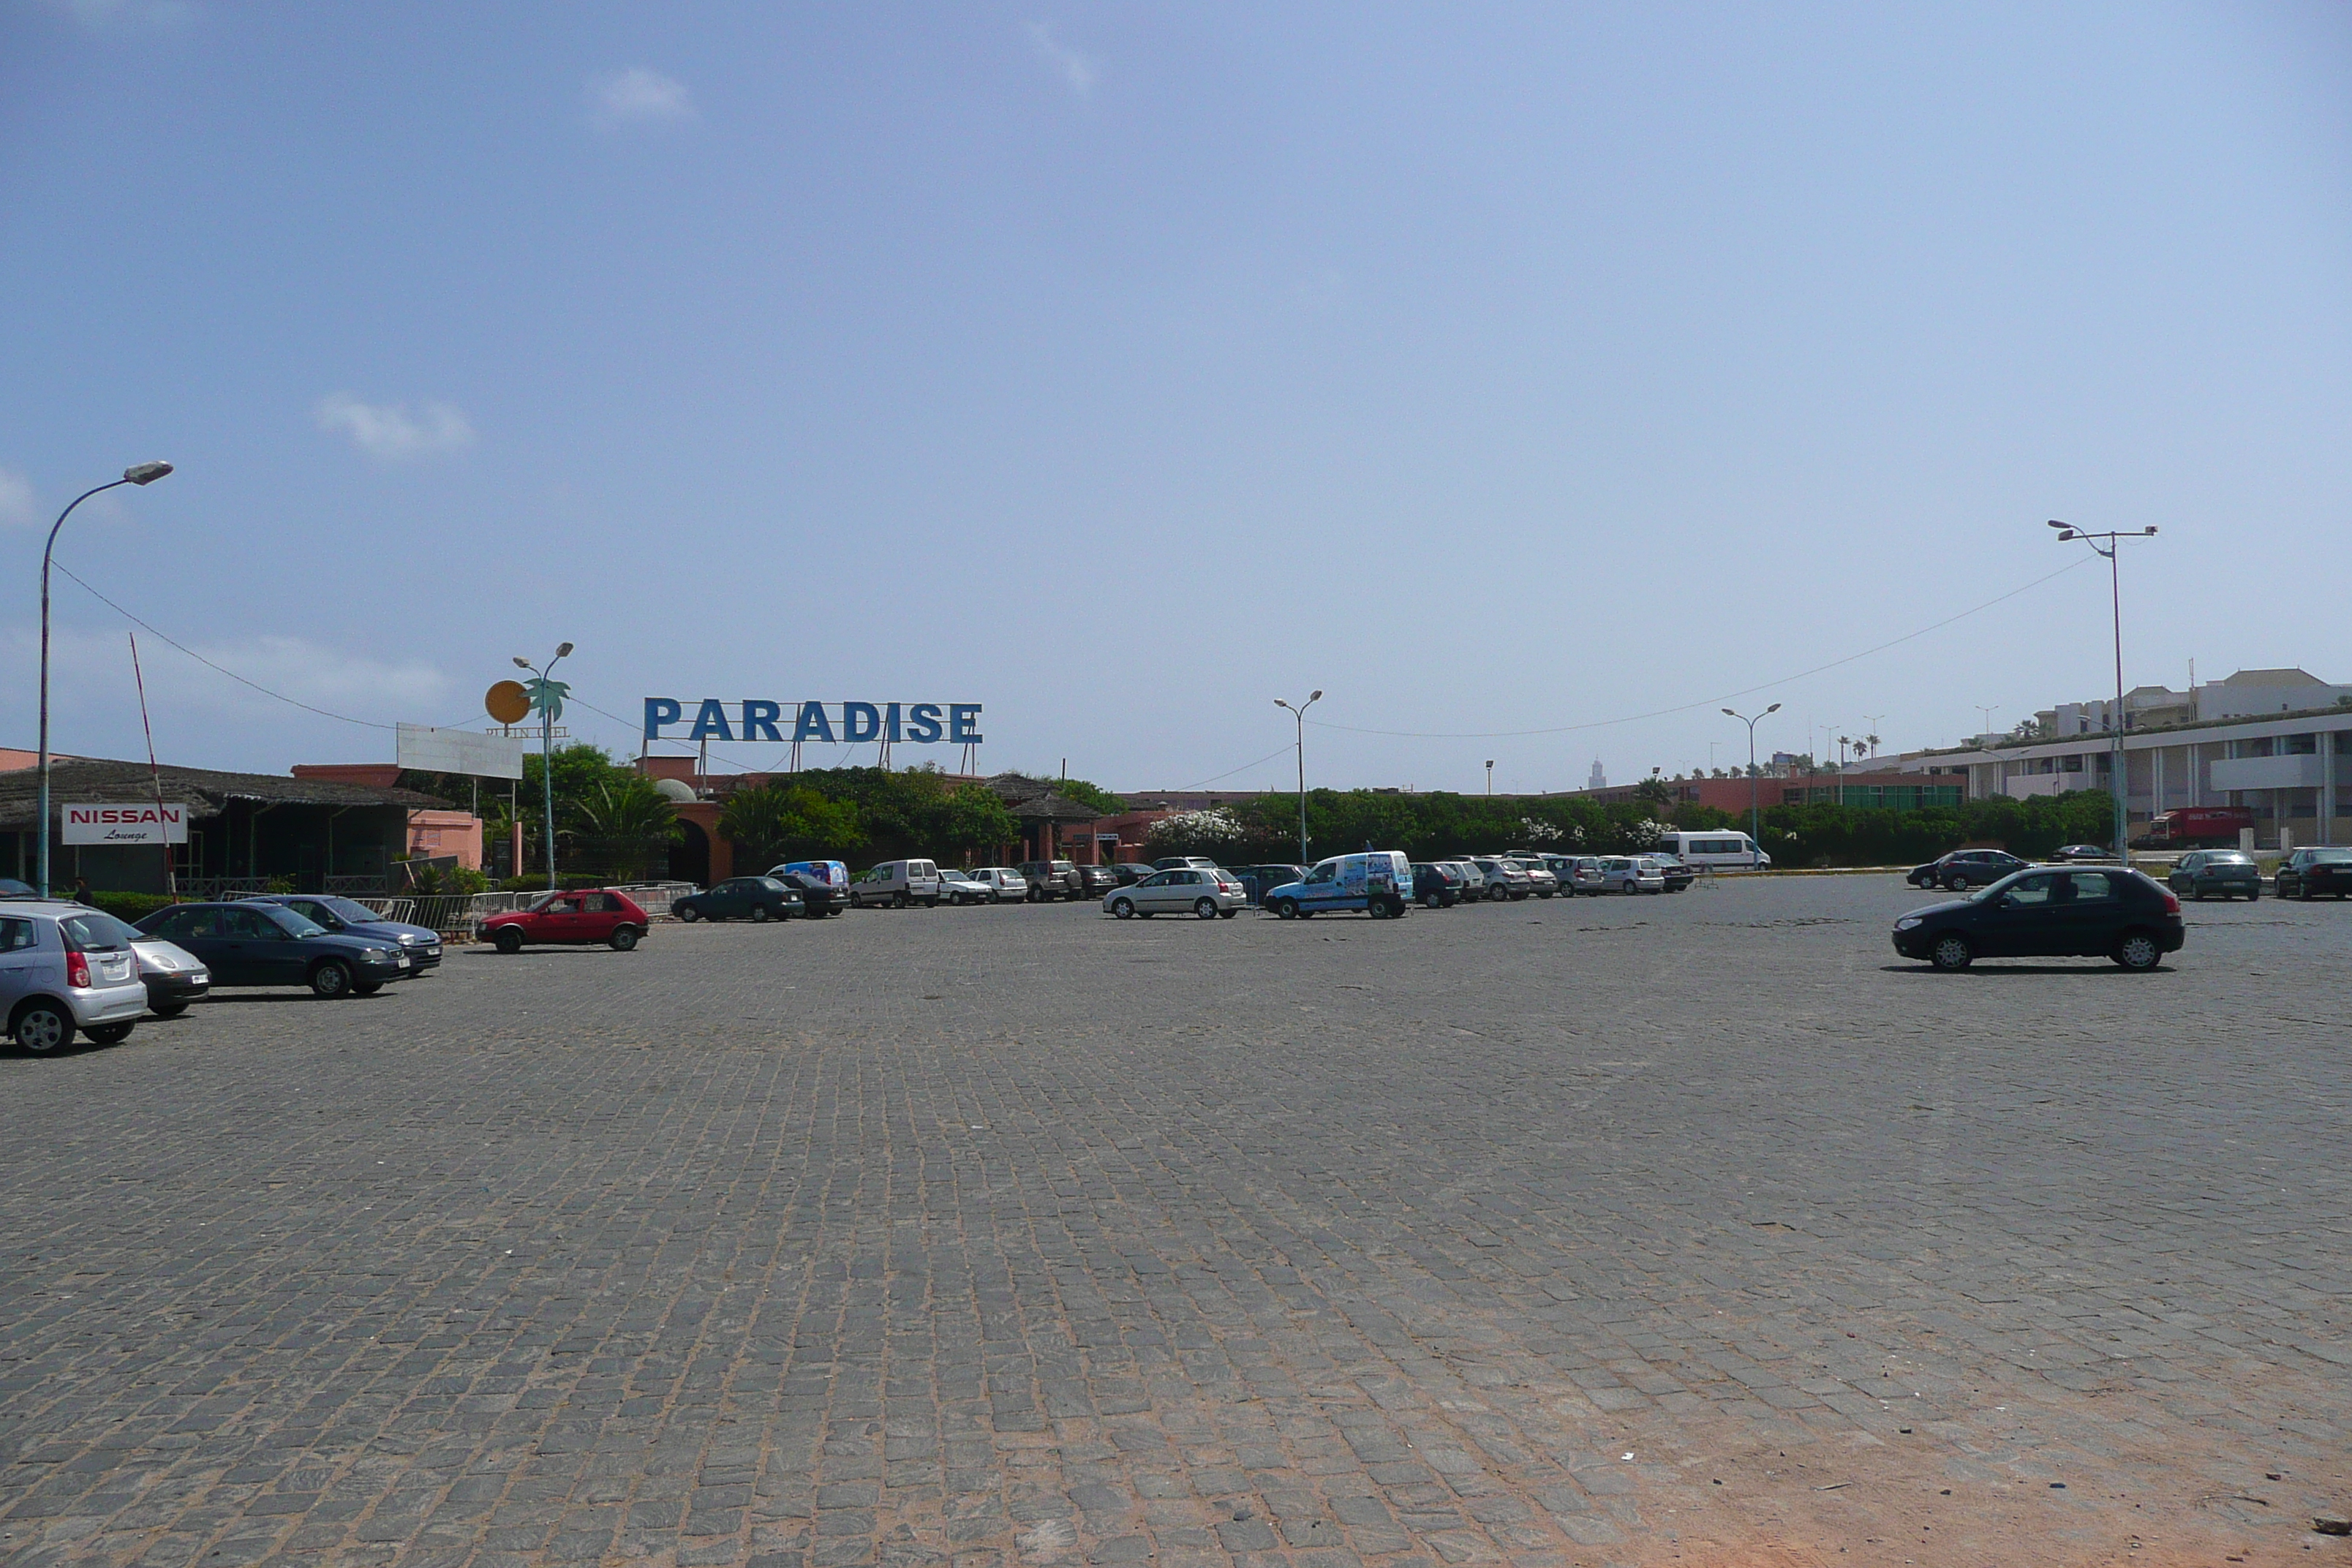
[623,824]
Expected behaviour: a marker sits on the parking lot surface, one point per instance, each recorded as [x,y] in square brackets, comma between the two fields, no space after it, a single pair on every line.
[1630,1230]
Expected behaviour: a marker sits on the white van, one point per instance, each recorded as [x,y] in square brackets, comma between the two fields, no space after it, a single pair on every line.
[897,883]
[1724,849]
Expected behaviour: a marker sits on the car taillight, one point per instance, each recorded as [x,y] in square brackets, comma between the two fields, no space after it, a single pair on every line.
[2171,903]
[77,971]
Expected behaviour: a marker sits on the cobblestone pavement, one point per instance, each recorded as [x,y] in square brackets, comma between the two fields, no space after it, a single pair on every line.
[1572,1232]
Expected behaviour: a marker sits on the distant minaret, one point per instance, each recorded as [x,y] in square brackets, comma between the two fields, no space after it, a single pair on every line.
[1599,779]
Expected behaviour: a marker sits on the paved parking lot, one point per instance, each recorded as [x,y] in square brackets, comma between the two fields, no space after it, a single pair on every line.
[1603,1231]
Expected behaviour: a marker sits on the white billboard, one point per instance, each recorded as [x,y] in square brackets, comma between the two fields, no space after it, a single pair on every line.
[114,824]
[428,750]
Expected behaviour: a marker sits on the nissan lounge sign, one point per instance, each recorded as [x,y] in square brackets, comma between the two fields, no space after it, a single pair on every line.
[915,723]
[148,824]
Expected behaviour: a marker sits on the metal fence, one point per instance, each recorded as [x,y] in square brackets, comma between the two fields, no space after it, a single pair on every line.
[457,914]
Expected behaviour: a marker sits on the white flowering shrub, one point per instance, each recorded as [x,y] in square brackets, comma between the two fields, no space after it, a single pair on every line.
[1536,831]
[1194,833]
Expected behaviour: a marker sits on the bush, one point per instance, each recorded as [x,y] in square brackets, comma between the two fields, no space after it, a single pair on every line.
[131,907]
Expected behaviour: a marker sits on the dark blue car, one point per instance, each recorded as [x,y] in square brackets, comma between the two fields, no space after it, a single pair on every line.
[348,917]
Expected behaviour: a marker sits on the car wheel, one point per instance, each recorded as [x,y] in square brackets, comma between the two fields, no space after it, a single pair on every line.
[1497,895]
[1951,952]
[1285,908]
[332,978]
[366,987]
[2138,951]
[108,1034]
[1227,914]
[1123,908]
[42,1028]
[1206,909]
[1429,900]
[624,938]
[688,914]
[900,901]
[758,914]
[507,940]
[167,1009]
[1956,884]
[1376,908]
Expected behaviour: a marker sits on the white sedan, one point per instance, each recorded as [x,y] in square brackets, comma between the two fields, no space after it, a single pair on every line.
[1209,895]
[1005,885]
[960,887]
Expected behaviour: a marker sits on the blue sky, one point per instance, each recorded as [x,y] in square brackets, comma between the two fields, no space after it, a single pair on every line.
[1123,368]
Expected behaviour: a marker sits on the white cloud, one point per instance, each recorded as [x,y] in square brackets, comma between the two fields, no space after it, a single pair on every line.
[1074,69]
[17,508]
[387,430]
[639,97]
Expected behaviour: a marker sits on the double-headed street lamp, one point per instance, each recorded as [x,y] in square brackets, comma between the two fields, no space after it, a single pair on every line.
[137,474]
[1299,713]
[548,696]
[1754,811]
[2118,779]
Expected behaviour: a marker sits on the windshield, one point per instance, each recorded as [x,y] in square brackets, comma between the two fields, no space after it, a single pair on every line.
[347,909]
[96,932]
[289,922]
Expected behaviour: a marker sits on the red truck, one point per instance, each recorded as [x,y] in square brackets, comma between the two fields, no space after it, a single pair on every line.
[2195,827]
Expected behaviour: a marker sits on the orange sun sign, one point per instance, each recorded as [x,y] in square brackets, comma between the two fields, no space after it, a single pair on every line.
[507,703]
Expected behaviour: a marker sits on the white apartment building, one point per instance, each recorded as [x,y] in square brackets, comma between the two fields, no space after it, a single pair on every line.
[2278,743]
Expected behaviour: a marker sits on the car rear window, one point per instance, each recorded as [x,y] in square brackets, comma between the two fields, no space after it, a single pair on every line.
[2329,856]
[96,932]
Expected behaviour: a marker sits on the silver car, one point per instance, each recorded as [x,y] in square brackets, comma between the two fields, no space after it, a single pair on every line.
[65,968]
[1502,878]
[174,976]
[1542,881]
[1211,895]
[1631,873]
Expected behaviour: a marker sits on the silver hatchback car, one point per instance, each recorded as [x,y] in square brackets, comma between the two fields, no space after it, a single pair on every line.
[65,968]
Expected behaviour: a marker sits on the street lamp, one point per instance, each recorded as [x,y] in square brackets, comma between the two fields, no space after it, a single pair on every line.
[1299,715]
[549,700]
[1754,811]
[2118,781]
[137,474]
[1490,776]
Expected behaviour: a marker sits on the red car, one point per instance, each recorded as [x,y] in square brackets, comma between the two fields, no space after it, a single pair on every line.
[588,915]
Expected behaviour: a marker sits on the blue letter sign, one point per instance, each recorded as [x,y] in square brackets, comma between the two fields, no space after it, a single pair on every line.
[761,719]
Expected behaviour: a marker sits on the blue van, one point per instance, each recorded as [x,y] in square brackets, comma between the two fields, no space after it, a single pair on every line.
[1377,882]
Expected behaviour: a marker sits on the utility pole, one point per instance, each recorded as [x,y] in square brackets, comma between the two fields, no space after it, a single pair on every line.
[1299,715]
[1755,808]
[2118,779]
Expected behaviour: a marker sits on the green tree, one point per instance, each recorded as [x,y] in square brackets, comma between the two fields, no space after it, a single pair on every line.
[972,818]
[789,821]
[1092,795]
[621,824]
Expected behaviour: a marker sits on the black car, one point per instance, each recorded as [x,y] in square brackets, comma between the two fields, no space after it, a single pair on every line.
[2312,873]
[1051,879]
[747,897]
[349,917]
[2049,911]
[1257,881]
[252,943]
[1097,881]
[1438,887]
[819,898]
[2082,852]
[1678,874]
[1130,872]
[1965,868]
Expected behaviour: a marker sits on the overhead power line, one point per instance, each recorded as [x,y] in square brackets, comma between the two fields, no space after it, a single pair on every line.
[1703,702]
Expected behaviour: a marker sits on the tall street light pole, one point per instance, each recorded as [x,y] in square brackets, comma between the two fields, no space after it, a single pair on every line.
[1755,810]
[2118,781]
[550,700]
[1299,715]
[137,474]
